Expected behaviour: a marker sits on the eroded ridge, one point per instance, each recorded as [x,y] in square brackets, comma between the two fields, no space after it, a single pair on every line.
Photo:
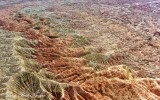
[19,77]
[113,83]
[39,65]
[9,62]
[14,49]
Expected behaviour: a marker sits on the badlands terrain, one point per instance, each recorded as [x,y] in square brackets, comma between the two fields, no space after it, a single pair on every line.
[79,50]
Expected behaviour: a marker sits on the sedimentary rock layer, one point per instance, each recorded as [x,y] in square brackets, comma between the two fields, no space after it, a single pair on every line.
[38,64]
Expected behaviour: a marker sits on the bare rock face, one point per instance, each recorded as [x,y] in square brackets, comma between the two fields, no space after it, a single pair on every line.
[36,64]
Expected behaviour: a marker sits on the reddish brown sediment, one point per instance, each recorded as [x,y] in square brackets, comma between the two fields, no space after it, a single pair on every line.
[117,82]
[111,83]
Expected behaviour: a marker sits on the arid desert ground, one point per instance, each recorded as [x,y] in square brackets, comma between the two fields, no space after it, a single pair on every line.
[79,49]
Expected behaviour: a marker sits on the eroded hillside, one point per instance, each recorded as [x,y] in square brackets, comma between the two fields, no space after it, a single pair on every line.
[62,52]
